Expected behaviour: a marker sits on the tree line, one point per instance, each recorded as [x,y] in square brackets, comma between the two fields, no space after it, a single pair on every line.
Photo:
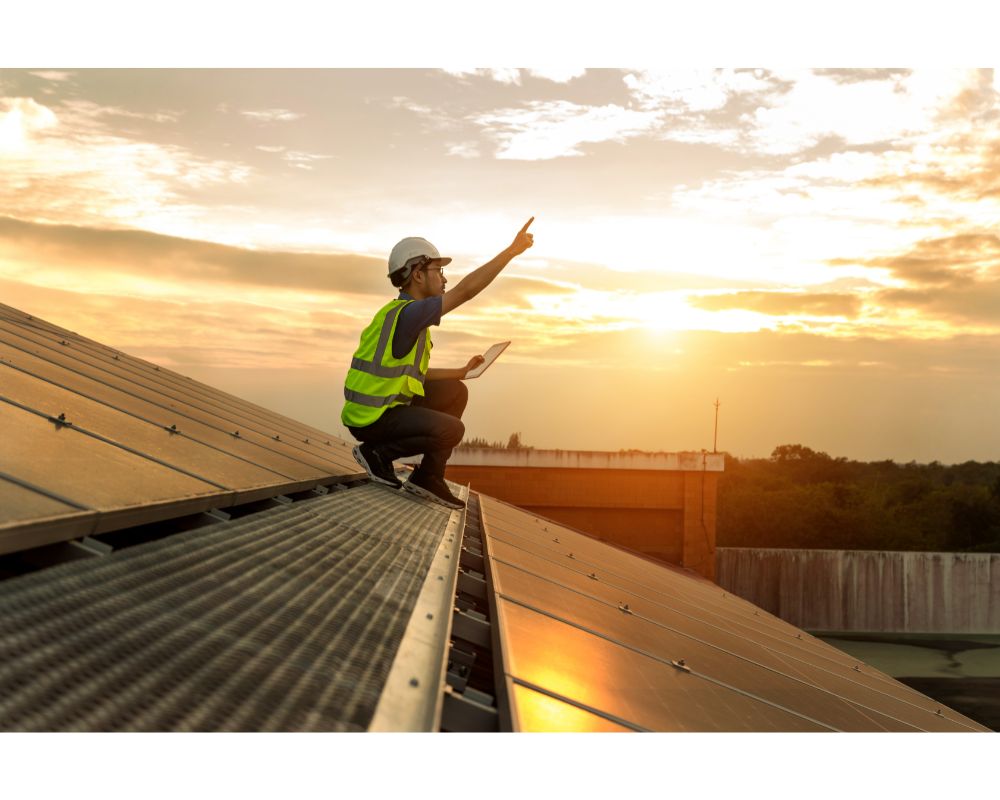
[803,498]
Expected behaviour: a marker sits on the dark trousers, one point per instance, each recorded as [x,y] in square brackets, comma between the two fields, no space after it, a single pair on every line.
[431,425]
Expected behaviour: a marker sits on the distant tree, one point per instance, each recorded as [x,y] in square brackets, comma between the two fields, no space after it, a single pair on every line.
[796,452]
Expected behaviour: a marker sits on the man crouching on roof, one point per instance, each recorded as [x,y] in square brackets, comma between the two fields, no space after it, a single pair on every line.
[395,404]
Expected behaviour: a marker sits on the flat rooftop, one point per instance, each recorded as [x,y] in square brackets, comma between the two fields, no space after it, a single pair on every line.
[588,459]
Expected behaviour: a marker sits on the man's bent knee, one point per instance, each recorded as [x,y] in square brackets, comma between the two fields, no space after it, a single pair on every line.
[455,432]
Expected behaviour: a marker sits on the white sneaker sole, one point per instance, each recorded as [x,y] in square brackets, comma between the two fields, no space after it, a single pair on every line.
[412,488]
[375,478]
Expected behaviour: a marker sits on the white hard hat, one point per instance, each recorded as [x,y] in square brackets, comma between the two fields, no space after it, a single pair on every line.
[410,248]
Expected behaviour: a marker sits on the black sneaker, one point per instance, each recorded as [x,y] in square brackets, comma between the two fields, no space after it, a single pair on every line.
[434,489]
[376,467]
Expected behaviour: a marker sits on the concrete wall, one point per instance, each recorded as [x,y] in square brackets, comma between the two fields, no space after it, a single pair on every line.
[861,590]
[661,505]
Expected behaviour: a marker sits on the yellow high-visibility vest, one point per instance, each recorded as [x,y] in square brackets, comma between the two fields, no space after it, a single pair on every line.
[376,381]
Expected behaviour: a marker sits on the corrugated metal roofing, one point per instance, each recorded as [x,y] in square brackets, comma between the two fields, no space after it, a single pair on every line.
[288,619]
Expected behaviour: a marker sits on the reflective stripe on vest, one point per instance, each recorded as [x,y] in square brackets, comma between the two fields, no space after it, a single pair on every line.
[376,381]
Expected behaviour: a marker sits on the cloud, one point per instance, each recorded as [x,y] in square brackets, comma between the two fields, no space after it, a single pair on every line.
[682,91]
[553,129]
[302,160]
[784,113]
[954,278]
[514,77]
[60,163]
[947,261]
[155,257]
[557,74]
[975,303]
[86,111]
[399,101]
[783,303]
[860,75]
[20,119]
[272,115]
[500,75]
[463,149]
[57,76]
[818,107]
[517,290]
[197,331]
[963,167]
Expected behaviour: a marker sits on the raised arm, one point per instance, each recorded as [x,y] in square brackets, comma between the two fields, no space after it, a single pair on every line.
[477,280]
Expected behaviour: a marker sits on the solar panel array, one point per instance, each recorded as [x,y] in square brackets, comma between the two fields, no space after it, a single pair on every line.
[94,440]
[205,628]
[596,638]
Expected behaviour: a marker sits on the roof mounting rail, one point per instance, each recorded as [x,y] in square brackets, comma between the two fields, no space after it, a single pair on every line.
[470,696]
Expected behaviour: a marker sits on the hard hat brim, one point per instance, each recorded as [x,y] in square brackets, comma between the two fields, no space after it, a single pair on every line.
[442,261]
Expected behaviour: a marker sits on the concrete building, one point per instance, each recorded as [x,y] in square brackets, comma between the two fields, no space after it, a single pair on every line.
[661,505]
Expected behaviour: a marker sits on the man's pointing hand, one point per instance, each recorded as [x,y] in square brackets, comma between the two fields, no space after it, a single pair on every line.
[523,240]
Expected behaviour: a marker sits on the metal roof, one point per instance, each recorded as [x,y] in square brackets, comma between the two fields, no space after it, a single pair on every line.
[286,619]
[359,608]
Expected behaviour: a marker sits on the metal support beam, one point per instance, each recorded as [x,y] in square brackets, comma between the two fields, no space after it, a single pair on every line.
[472,583]
[472,561]
[92,546]
[471,626]
[462,715]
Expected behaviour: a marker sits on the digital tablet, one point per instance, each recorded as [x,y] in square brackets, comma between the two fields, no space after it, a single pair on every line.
[490,356]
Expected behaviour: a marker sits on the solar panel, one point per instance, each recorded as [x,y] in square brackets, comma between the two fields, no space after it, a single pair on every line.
[104,368]
[95,440]
[537,710]
[131,366]
[125,487]
[602,675]
[571,606]
[155,411]
[29,517]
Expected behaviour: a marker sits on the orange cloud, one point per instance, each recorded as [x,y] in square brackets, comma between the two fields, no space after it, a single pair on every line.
[783,303]
[169,258]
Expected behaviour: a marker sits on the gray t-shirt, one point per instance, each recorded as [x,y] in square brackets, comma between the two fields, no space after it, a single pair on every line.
[413,319]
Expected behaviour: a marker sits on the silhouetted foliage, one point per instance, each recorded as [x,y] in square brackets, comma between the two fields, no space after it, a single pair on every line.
[513,443]
[803,498]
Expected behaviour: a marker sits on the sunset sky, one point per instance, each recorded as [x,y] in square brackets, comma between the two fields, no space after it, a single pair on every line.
[819,249]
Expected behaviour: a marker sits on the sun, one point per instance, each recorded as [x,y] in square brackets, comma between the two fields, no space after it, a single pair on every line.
[669,311]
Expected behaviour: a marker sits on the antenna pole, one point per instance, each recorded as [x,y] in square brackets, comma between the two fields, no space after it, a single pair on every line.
[715,439]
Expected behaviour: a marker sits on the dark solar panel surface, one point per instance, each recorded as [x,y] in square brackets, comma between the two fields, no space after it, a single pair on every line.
[152,410]
[96,440]
[111,361]
[651,647]
[287,619]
